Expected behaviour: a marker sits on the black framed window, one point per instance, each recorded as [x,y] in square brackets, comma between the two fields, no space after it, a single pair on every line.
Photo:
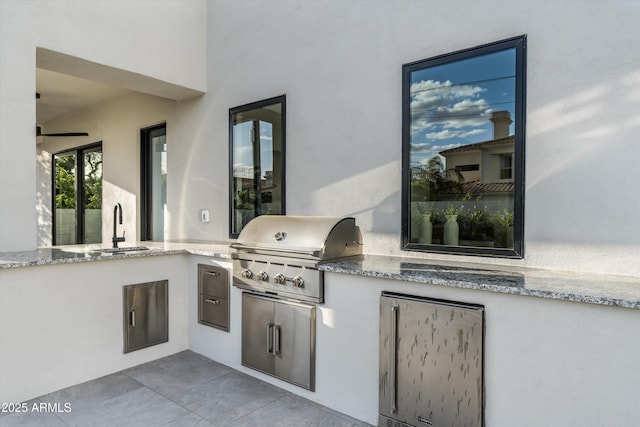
[256,161]
[463,147]
[77,195]
[153,172]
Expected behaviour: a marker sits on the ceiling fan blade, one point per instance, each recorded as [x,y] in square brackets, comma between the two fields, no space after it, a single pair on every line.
[66,134]
[39,133]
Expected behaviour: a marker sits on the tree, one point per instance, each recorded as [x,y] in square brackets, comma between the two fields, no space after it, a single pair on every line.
[65,171]
[65,182]
[430,181]
[93,180]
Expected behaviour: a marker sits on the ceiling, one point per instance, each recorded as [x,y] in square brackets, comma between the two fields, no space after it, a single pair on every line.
[61,94]
[67,83]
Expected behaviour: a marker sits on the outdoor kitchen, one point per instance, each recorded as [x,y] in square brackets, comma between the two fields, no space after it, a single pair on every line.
[363,213]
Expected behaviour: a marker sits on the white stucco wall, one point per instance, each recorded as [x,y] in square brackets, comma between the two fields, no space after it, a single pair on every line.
[63,324]
[159,42]
[339,63]
[548,362]
[551,361]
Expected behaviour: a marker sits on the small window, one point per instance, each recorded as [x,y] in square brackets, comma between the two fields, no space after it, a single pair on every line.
[468,168]
[257,142]
[506,166]
[463,151]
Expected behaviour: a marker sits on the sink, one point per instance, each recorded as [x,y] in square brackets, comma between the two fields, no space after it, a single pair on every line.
[125,249]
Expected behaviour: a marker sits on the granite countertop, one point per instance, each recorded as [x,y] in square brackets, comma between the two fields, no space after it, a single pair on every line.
[85,253]
[621,291]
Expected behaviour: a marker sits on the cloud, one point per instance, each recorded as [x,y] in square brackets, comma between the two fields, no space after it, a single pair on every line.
[447,133]
[422,152]
[440,148]
[418,124]
[420,148]
[446,105]
[430,94]
[463,113]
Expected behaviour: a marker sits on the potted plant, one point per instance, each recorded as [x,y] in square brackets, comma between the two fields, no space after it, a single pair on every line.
[451,228]
[503,228]
[476,226]
[426,228]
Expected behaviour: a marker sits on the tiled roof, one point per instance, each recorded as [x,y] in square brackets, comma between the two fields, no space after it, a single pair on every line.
[476,187]
[478,145]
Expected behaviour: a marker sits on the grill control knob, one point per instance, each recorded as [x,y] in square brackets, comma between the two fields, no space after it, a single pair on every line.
[298,282]
[246,273]
[279,279]
[263,276]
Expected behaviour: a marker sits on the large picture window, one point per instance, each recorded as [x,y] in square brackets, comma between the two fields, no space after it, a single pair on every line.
[257,141]
[463,151]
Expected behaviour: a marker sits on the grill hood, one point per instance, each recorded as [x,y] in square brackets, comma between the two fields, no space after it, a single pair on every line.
[314,237]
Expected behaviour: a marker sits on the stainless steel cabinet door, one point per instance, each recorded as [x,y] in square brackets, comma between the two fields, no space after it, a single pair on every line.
[431,362]
[294,343]
[278,338]
[257,333]
[146,320]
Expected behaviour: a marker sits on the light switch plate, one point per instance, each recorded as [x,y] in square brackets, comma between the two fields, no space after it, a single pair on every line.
[204,215]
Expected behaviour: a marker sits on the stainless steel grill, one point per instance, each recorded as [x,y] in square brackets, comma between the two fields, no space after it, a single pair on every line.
[279,254]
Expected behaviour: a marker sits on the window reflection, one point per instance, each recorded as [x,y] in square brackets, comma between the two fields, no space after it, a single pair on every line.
[257,149]
[460,150]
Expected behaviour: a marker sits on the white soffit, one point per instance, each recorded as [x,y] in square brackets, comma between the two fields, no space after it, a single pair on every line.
[77,67]
[61,94]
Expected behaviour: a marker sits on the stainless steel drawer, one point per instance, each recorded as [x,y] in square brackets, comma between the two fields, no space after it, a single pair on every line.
[213,297]
[215,281]
[214,311]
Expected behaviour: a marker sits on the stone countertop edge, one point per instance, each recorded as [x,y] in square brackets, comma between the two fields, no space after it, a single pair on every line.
[89,253]
[619,291]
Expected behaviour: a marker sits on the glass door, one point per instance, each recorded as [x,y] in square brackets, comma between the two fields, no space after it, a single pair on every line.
[64,213]
[92,195]
[77,182]
[154,182]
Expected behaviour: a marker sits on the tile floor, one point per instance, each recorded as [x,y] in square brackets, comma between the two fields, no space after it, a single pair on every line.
[184,389]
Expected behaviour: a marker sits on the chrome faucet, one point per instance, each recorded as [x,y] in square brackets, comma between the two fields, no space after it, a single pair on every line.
[115,238]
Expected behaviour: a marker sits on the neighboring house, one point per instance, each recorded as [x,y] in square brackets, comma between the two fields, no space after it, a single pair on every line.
[487,166]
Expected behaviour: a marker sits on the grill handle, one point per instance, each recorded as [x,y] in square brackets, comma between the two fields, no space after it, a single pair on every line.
[257,249]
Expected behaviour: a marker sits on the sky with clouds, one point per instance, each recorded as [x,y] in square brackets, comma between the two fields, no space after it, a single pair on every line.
[451,104]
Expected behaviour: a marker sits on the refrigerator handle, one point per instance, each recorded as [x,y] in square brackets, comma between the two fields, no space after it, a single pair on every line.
[392,359]
[269,338]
